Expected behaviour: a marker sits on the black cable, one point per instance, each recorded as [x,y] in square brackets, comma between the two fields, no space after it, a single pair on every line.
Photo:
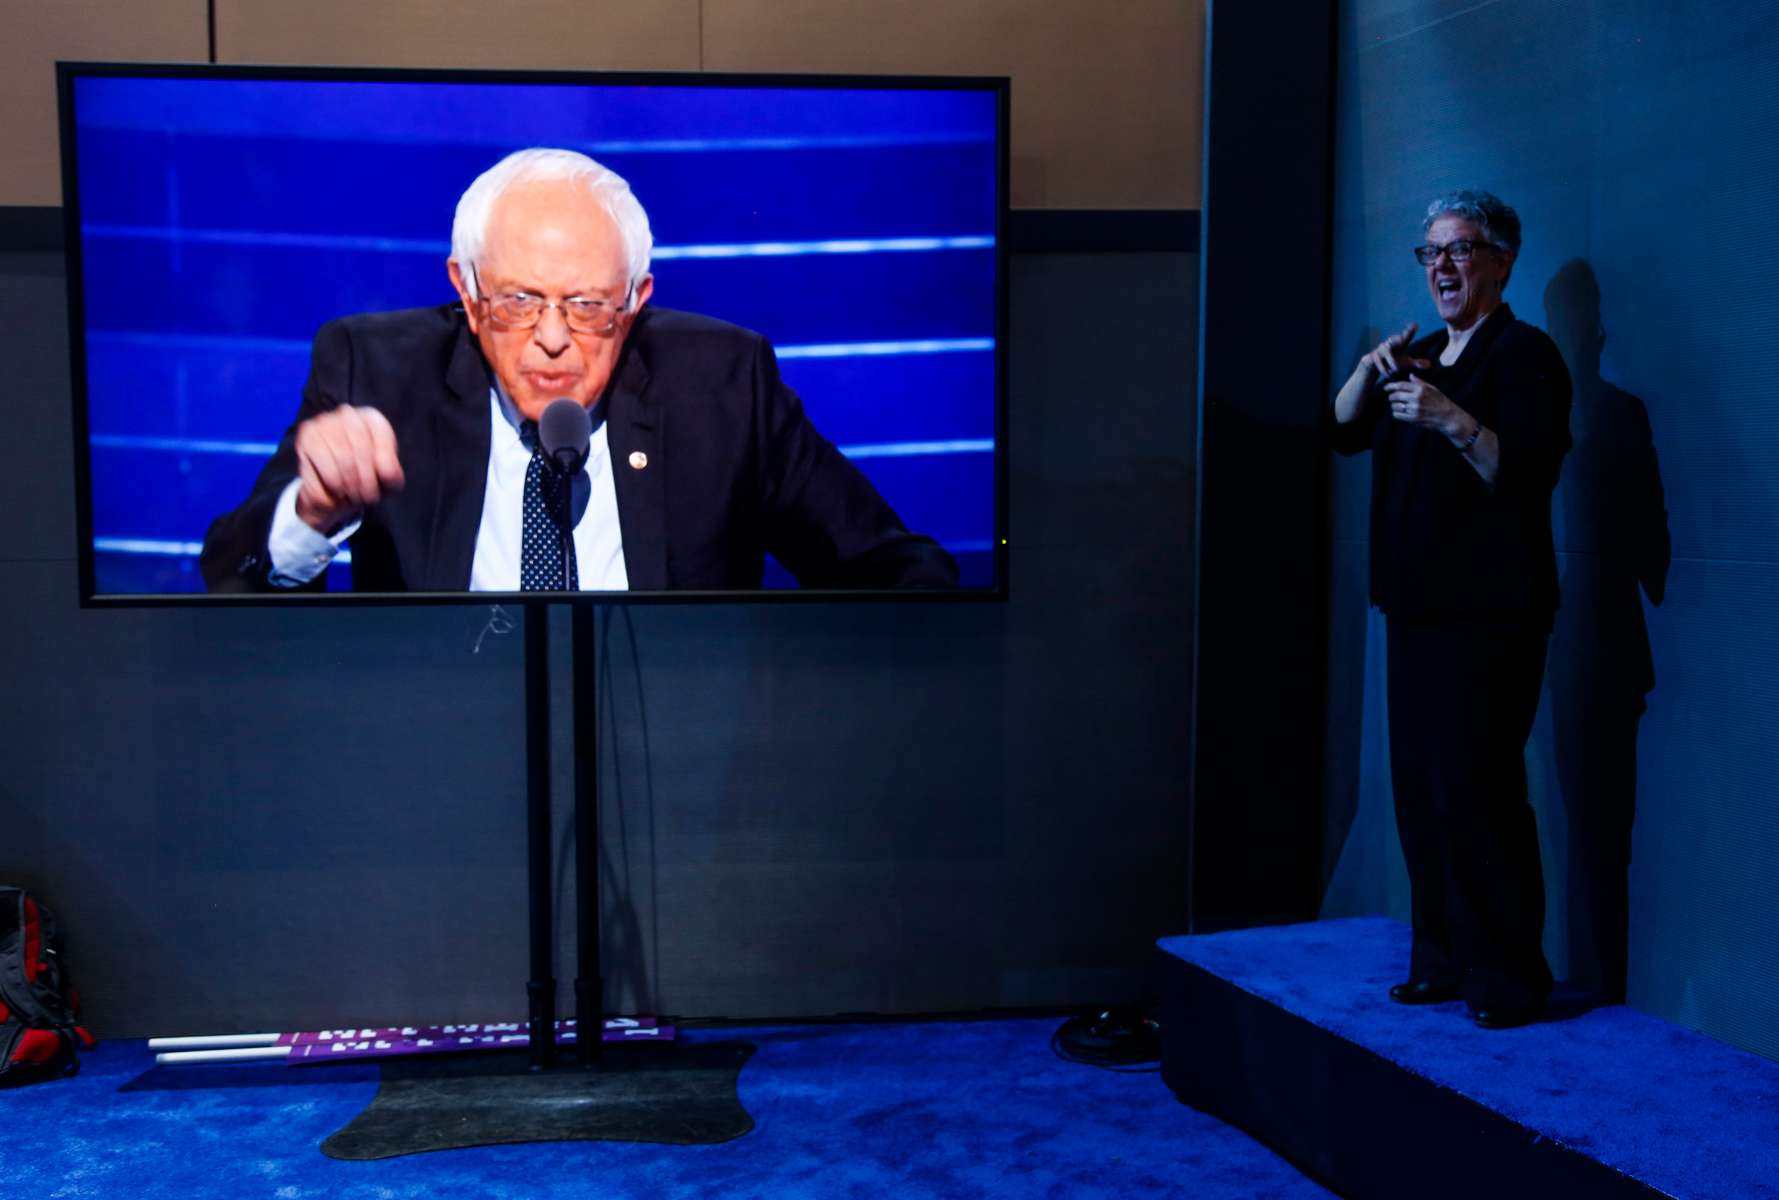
[1122,1040]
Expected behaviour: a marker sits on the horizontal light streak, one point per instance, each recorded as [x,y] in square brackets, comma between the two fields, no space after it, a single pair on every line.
[265,345]
[872,349]
[142,339]
[168,549]
[123,545]
[130,441]
[428,137]
[154,547]
[267,237]
[911,449]
[176,445]
[829,246]
[831,142]
[363,244]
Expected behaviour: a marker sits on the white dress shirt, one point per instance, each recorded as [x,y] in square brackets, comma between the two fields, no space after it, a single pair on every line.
[299,553]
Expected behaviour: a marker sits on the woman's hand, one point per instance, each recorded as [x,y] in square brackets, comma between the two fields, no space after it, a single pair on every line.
[1383,361]
[1416,402]
[1387,358]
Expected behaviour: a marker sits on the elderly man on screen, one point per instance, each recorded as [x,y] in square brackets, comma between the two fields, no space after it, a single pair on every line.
[418,439]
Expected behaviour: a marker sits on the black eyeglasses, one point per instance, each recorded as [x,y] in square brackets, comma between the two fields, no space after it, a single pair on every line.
[1458,251]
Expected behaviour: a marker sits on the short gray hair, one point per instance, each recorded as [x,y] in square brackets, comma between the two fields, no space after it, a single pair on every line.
[469,231]
[1500,224]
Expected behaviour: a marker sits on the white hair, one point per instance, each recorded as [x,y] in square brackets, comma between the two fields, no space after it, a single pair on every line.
[469,231]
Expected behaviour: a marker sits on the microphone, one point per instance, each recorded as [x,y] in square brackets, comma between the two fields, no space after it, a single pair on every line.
[564,432]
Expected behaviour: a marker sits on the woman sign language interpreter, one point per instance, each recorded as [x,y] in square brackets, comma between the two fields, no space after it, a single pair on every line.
[1466,274]
[1464,569]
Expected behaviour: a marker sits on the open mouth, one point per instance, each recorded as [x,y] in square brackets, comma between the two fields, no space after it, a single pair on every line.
[552,381]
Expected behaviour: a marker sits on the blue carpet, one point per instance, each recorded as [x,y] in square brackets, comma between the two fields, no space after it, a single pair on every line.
[1673,1108]
[948,1109]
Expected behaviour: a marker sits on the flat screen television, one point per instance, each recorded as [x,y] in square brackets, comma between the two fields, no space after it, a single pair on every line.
[799,391]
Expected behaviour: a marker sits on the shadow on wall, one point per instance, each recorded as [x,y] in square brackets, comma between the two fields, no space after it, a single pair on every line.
[1616,542]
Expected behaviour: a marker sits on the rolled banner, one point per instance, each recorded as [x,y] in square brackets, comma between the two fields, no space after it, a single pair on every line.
[341,1045]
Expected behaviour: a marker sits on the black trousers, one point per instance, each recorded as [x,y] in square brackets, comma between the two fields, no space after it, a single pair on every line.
[1462,696]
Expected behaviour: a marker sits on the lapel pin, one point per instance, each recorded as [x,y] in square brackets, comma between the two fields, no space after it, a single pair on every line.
[638,459]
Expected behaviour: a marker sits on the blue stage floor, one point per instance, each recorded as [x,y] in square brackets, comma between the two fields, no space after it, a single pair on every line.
[1676,1110]
[942,1109]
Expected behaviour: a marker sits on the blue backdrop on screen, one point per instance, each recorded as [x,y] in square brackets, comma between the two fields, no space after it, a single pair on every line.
[224,220]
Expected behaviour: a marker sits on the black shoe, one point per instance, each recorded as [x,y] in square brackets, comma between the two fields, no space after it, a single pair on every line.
[1504,1018]
[1424,991]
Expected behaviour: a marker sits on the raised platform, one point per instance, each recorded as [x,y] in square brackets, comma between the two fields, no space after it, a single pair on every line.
[1288,1032]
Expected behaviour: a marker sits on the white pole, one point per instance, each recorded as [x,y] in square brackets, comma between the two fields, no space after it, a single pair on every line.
[185,1058]
[214,1041]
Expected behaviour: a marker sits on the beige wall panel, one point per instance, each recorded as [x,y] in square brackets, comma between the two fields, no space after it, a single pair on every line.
[653,35]
[35,33]
[1107,99]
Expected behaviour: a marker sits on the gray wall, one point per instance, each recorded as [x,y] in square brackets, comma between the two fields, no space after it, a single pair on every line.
[807,808]
[1634,138]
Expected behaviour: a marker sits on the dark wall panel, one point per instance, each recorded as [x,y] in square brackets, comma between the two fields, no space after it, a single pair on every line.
[1265,245]
[807,809]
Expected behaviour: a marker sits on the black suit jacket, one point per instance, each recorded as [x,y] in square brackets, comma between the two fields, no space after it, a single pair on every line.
[734,469]
[1444,543]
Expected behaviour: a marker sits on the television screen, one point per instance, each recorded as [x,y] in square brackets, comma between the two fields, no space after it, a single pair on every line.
[342,333]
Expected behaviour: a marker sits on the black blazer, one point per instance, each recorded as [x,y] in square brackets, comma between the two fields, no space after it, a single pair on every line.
[734,470]
[1444,543]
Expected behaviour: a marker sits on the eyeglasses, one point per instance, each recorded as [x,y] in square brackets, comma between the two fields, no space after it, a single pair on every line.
[582,314]
[523,310]
[1458,251]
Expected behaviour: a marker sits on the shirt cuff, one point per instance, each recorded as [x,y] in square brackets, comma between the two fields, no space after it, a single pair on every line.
[298,553]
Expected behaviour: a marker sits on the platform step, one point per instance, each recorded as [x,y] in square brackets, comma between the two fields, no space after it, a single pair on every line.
[1288,1032]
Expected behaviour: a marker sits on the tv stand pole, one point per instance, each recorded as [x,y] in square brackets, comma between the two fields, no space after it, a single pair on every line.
[540,992]
[589,984]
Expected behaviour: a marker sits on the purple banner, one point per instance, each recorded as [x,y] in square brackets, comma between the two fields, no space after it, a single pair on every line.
[336,1045]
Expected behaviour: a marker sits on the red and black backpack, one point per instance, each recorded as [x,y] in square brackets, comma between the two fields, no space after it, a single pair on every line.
[38,1010]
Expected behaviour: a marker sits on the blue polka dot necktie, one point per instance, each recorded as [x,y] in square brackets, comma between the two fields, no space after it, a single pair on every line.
[545,531]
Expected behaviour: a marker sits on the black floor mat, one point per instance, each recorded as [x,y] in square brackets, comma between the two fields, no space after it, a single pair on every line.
[679,1092]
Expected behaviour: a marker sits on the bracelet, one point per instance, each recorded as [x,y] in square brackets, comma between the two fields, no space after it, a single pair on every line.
[1471,440]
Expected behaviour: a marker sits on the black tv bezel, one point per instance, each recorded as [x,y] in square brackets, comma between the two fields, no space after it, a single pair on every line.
[67,72]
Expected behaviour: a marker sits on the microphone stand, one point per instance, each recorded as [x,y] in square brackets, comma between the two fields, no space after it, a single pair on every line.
[563,515]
